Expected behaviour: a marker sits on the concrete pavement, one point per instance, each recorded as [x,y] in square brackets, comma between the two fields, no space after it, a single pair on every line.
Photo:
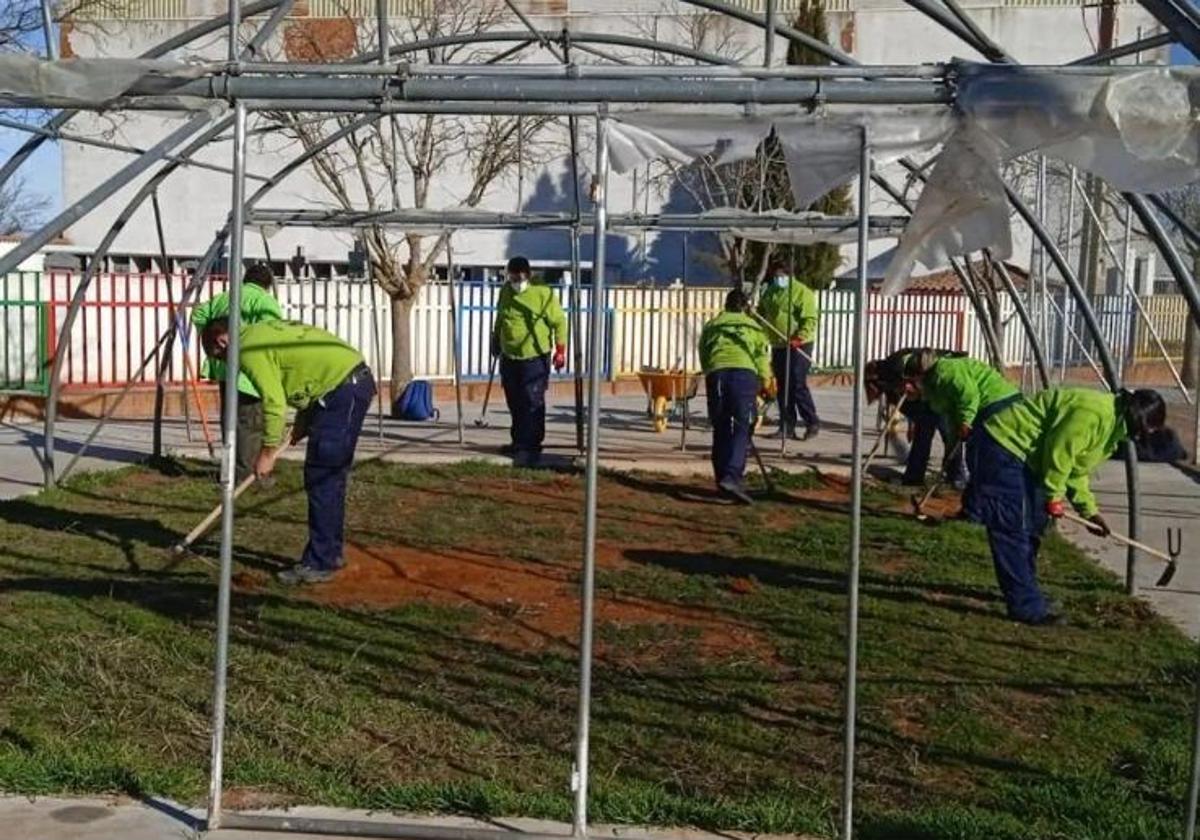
[120,818]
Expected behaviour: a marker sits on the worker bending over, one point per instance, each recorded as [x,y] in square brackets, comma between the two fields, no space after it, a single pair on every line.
[258,304]
[885,377]
[529,324]
[734,354]
[791,308]
[330,386]
[1033,456]
[962,392]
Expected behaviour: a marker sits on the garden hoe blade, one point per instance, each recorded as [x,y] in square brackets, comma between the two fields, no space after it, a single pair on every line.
[1174,549]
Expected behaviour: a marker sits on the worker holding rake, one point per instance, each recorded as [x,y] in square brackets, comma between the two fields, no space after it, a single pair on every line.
[529,324]
[962,392]
[735,357]
[791,308]
[885,377]
[1033,456]
[328,383]
[258,304]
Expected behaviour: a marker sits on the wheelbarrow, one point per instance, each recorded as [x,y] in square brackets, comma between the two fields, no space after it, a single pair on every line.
[666,391]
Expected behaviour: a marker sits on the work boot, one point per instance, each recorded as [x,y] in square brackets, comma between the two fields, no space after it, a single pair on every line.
[811,432]
[526,459]
[733,490]
[301,573]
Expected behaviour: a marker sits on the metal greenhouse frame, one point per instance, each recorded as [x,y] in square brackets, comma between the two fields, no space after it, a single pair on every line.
[383,82]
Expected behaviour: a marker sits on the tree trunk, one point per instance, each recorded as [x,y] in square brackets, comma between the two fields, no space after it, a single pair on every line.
[402,372]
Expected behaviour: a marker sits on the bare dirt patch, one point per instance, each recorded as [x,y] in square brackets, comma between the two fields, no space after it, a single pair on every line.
[532,606]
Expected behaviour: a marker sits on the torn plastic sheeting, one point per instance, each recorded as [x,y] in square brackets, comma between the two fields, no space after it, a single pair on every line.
[824,152]
[962,209]
[1137,130]
[86,82]
[682,138]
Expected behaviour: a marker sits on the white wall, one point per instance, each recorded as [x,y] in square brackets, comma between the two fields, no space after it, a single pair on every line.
[195,202]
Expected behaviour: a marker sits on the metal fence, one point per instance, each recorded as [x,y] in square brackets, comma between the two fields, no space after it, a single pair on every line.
[124,315]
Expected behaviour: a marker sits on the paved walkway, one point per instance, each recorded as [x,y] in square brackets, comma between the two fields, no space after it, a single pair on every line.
[119,818]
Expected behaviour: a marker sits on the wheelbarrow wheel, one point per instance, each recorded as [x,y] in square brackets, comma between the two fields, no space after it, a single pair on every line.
[660,414]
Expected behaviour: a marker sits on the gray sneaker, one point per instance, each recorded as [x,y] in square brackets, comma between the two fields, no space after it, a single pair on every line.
[300,573]
[733,490]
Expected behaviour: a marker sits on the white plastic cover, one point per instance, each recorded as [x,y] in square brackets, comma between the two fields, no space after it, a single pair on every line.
[87,82]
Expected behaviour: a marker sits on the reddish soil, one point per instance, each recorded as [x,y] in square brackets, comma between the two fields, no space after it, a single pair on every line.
[530,606]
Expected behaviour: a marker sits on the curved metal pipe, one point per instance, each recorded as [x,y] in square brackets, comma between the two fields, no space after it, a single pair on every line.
[184,38]
[1179,270]
[281,9]
[1039,355]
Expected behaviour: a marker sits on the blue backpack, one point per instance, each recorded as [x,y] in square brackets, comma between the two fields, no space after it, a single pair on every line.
[415,402]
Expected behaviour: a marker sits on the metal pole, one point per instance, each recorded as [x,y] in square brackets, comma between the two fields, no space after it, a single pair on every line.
[579,782]
[685,349]
[769,35]
[48,31]
[1062,370]
[451,283]
[228,454]
[376,338]
[577,335]
[1039,356]
[856,488]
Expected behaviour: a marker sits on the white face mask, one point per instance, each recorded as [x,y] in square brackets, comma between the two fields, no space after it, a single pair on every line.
[519,285]
[781,280]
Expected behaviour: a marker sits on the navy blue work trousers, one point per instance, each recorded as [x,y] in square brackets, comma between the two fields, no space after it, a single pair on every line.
[732,412]
[1008,499]
[524,382]
[334,424]
[795,399]
[926,422]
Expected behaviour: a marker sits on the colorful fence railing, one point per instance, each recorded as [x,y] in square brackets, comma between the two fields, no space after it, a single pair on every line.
[124,315]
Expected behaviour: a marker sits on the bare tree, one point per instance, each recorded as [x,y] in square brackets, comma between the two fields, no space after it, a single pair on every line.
[21,21]
[21,210]
[398,162]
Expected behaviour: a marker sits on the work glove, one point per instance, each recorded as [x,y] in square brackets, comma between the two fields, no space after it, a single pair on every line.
[560,356]
[1054,508]
[797,343]
[1098,524]
[964,431]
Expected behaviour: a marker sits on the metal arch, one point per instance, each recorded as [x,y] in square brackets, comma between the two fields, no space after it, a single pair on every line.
[1180,18]
[60,119]
[281,9]
[576,37]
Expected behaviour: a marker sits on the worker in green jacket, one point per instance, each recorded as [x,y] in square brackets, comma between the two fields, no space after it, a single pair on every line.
[1029,459]
[529,324]
[330,386]
[791,308]
[963,392]
[258,304]
[735,358]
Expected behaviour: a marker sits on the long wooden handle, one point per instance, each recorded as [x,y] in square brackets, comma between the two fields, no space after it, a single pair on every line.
[1121,538]
[886,428]
[207,521]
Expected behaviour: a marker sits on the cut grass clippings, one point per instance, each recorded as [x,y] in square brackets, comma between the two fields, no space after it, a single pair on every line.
[720,660]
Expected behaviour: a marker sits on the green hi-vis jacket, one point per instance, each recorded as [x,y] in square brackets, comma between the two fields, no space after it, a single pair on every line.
[257,305]
[958,389]
[1062,434]
[530,323]
[792,310]
[292,364]
[735,340]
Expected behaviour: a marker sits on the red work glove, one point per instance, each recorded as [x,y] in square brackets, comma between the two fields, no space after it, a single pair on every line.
[964,431]
[1055,508]
[560,356]
[1099,526]
[796,343]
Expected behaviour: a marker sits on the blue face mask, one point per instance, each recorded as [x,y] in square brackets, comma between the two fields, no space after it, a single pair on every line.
[781,280]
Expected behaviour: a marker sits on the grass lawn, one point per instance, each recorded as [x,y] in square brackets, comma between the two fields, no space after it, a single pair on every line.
[437,673]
